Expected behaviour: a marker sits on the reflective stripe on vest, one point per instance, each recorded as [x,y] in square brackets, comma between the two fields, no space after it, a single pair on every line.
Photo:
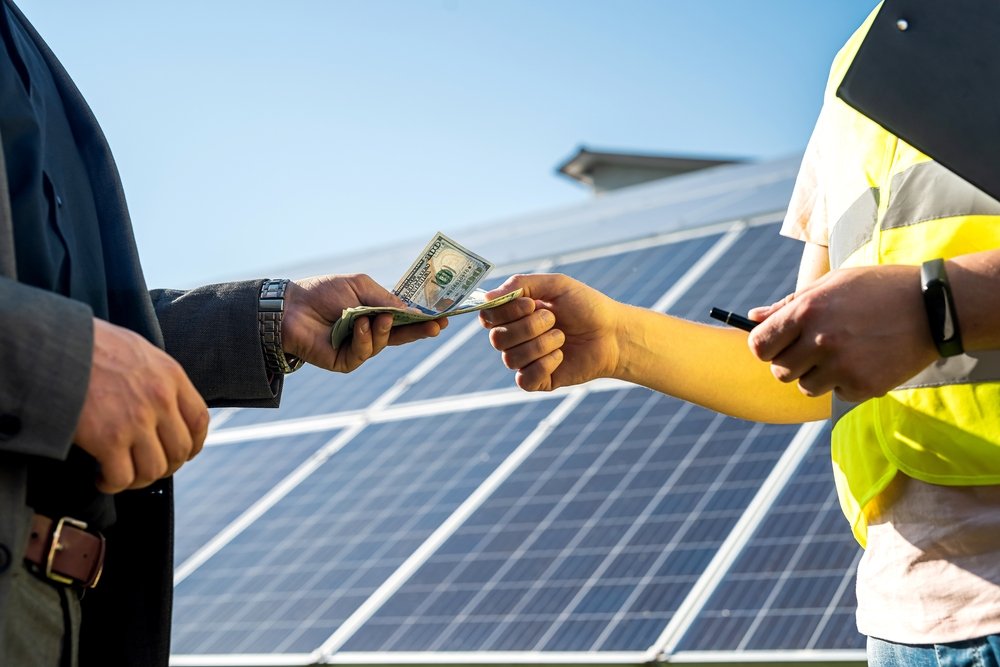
[924,192]
[893,205]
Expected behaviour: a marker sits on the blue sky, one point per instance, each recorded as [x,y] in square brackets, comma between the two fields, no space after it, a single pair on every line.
[251,135]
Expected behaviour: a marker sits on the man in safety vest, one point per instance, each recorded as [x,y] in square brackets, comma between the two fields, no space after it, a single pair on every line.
[893,333]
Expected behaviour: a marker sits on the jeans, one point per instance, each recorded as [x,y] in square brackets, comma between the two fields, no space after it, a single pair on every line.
[982,652]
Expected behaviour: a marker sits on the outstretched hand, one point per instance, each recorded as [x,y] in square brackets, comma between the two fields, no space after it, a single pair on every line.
[859,332]
[559,333]
[313,305]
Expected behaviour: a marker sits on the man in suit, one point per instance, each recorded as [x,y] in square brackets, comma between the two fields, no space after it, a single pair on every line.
[104,384]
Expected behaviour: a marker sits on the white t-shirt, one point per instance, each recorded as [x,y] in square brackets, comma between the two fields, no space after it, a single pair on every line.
[931,571]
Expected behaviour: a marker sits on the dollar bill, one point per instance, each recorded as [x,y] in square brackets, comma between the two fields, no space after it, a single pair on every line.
[344,327]
[442,276]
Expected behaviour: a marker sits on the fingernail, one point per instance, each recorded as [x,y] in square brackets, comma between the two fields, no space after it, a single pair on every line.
[364,325]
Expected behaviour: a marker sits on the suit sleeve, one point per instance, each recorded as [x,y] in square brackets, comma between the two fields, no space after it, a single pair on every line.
[46,354]
[212,331]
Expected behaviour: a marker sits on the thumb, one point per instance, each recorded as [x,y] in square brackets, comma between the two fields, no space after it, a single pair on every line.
[761,313]
[535,285]
[370,293]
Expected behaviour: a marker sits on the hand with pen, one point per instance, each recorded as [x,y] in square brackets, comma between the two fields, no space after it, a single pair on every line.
[859,332]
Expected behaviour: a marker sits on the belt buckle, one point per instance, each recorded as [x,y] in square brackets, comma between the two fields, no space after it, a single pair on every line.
[55,547]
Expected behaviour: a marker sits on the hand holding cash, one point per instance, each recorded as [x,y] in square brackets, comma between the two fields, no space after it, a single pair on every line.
[441,282]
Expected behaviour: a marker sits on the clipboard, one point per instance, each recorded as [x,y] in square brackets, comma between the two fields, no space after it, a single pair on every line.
[929,72]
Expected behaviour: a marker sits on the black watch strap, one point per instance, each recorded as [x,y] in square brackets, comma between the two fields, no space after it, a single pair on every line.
[941,313]
[270,311]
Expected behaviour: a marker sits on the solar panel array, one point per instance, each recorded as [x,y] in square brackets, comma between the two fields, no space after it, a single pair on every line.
[425,507]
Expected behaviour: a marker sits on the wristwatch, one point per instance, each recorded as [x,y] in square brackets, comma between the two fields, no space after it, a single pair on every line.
[270,310]
[941,313]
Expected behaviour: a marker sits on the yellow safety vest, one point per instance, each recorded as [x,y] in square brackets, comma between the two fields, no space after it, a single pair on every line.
[891,204]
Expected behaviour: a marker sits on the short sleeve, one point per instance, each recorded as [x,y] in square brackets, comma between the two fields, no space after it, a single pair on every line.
[806,218]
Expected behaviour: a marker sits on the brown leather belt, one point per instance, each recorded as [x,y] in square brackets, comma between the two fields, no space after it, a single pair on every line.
[65,552]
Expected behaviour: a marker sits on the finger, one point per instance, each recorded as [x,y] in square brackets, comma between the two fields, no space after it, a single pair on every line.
[381,328]
[514,310]
[408,333]
[531,351]
[520,331]
[148,459]
[176,440]
[370,293]
[795,361]
[508,286]
[816,382]
[535,285]
[194,412]
[538,376]
[361,345]
[761,313]
[774,334]
[117,472]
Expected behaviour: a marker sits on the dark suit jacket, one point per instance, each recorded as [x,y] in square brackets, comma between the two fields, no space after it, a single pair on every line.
[45,355]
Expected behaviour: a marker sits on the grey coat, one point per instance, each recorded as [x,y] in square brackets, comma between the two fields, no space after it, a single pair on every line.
[45,359]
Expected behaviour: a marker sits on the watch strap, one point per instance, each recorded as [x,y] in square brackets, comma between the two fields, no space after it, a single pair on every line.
[270,312]
[941,313]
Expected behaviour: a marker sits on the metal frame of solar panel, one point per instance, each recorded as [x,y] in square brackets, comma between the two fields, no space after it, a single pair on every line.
[430,512]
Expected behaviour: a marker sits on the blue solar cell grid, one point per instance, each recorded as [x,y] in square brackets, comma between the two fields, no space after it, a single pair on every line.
[288,581]
[757,270]
[792,586]
[225,480]
[313,391]
[594,541]
[639,277]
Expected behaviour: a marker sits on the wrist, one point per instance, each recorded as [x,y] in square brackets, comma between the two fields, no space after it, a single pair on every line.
[272,309]
[294,340]
[626,353]
[939,303]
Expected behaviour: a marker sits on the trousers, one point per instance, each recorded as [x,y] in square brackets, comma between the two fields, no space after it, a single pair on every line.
[42,628]
[981,652]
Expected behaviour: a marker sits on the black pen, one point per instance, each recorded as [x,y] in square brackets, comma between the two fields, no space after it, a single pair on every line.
[732,319]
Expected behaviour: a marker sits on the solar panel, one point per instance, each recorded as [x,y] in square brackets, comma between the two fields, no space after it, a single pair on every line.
[757,270]
[594,541]
[226,480]
[792,587]
[575,527]
[640,277]
[289,580]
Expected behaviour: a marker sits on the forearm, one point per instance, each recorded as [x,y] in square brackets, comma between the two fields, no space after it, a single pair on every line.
[975,284]
[212,331]
[708,365]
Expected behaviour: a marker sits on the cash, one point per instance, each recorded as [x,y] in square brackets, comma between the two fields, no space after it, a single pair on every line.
[344,327]
[441,276]
[441,282]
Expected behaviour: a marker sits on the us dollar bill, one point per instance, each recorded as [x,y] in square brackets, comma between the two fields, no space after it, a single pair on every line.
[442,276]
[344,327]
[441,282]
